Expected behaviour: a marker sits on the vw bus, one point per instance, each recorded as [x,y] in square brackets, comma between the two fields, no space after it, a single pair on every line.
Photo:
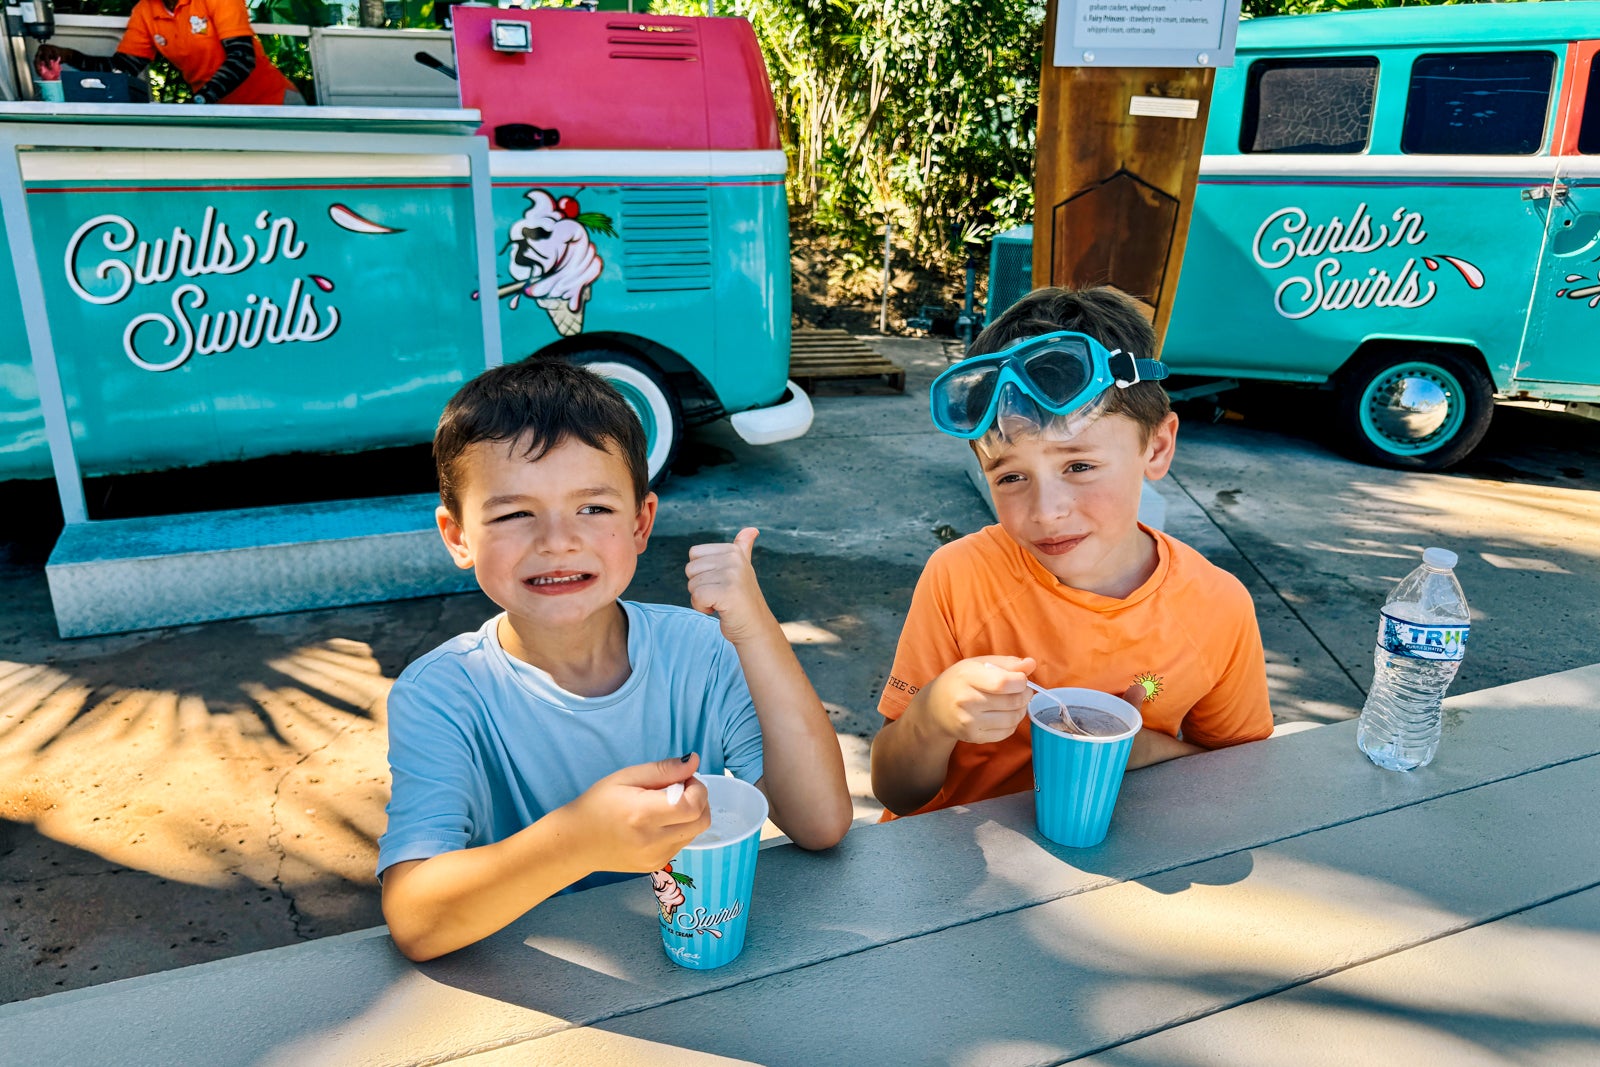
[213,306]
[1404,206]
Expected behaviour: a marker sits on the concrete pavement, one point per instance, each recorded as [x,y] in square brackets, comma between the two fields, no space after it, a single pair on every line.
[189,794]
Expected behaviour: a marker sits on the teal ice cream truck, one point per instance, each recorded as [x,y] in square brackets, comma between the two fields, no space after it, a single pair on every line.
[208,306]
[1403,205]
[182,285]
[1400,205]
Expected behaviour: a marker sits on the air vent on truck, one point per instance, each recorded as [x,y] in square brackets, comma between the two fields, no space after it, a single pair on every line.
[666,238]
[636,41]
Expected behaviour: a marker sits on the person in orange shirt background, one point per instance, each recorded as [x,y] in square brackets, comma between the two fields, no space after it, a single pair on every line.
[209,41]
[1067,422]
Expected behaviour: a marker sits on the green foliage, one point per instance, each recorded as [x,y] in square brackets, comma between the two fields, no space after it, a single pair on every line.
[921,112]
[296,12]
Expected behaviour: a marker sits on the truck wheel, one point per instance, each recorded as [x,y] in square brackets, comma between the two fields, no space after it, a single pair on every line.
[651,398]
[1419,410]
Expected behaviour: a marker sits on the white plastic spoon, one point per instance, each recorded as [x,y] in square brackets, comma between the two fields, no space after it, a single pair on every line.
[1066,716]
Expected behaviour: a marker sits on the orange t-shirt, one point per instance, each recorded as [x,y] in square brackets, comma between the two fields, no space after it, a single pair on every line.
[1189,633]
[191,38]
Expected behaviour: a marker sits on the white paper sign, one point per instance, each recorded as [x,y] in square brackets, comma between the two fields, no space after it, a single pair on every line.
[1145,33]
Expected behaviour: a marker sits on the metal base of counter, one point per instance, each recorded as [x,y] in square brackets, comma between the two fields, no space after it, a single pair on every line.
[171,570]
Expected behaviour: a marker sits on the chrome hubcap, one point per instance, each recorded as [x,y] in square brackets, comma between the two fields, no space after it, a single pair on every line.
[1413,409]
[1409,408]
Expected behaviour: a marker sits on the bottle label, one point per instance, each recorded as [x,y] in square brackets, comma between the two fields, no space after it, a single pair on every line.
[1421,640]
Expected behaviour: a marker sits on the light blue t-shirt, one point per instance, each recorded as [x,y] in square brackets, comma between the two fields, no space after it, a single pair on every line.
[482,744]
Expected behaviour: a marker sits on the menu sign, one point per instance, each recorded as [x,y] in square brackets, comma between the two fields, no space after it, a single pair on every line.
[1145,33]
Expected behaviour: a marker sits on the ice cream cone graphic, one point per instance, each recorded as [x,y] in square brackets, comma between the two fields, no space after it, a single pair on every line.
[553,260]
[668,888]
[568,323]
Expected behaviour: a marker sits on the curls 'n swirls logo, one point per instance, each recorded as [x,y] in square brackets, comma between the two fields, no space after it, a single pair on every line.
[191,324]
[1288,236]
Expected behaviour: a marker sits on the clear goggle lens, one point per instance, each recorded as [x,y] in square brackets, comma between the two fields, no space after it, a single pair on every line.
[1057,377]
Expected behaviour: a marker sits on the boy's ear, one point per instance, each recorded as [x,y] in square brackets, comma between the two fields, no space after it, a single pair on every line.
[644,522]
[455,538]
[1161,448]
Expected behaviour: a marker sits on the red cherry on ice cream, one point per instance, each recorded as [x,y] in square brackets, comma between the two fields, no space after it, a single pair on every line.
[568,206]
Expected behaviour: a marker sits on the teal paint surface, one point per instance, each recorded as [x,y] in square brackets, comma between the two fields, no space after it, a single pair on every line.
[1250,304]
[700,268]
[193,326]
[1560,352]
[376,322]
[22,442]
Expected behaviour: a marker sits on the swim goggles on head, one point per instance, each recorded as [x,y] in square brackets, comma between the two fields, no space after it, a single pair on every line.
[1062,373]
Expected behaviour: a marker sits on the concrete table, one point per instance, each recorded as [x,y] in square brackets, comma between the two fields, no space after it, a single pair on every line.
[1280,902]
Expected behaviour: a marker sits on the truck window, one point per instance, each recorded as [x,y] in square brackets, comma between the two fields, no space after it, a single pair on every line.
[1478,104]
[1589,131]
[1309,105]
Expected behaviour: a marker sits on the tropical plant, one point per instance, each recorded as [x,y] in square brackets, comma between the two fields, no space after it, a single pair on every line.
[918,112]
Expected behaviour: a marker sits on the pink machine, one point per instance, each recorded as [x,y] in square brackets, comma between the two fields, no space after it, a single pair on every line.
[552,77]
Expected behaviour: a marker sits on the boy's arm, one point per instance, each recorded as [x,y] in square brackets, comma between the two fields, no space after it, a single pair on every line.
[1153,746]
[804,770]
[623,822]
[977,700]
[1237,709]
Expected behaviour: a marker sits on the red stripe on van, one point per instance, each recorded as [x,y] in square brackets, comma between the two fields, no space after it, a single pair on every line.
[244,188]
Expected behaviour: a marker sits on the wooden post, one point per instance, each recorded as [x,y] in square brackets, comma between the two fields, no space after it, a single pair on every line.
[1113,191]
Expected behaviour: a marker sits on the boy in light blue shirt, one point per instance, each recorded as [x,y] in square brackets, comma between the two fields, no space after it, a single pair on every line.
[534,754]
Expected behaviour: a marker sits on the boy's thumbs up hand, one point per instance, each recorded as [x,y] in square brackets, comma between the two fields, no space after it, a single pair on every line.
[722,582]
[746,540]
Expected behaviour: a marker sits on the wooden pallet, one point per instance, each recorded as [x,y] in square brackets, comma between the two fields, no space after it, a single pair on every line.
[818,355]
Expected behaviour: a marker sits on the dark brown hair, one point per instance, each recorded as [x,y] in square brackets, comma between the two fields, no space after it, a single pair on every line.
[1109,316]
[546,400]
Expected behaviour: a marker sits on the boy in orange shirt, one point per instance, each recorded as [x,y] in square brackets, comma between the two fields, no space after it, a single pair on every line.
[1069,589]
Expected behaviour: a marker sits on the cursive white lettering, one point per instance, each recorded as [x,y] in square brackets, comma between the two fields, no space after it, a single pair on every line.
[119,237]
[1287,235]
[186,329]
[280,237]
[297,319]
[1301,296]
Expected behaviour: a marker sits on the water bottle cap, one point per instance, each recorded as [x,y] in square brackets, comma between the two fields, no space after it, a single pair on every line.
[1440,558]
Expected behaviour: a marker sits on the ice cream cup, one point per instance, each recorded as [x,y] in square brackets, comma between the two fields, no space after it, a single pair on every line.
[49,91]
[1076,779]
[703,895]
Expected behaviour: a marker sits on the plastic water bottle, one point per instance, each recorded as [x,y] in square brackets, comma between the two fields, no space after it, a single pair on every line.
[1422,636]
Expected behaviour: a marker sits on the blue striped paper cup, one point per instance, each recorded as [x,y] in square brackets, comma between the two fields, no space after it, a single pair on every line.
[1076,779]
[704,893]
